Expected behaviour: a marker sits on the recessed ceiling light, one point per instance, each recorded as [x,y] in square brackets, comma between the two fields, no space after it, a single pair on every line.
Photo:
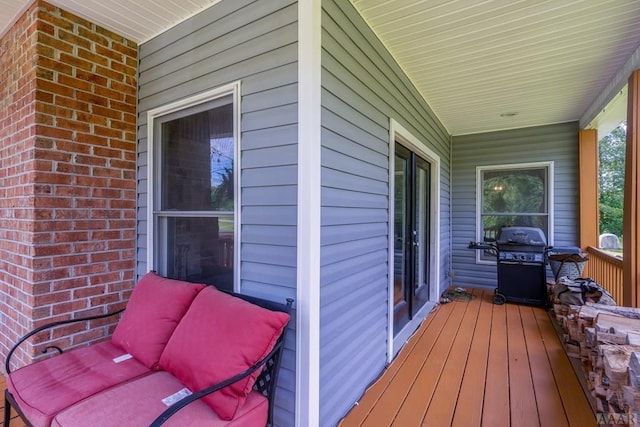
[509,114]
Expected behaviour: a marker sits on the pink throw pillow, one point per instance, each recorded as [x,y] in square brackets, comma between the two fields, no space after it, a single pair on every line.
[221,336]
[156,306]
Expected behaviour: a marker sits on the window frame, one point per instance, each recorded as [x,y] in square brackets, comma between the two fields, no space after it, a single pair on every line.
[153,161]
[548,165]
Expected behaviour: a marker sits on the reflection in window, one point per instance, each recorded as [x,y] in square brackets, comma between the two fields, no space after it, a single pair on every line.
[195,182]
[513,196]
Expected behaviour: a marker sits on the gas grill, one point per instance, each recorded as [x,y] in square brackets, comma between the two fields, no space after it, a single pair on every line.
[521,253]
[521,244]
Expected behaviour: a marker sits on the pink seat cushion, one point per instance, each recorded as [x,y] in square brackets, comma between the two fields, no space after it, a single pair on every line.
[156,306]
[44,388]
[138,403]
[221,336]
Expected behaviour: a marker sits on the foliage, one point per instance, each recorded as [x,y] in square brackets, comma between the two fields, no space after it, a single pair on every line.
[611,179]
[222,194]
[519,191]
[513,197]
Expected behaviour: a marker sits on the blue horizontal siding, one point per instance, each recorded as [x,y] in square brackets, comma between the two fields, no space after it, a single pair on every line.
[557,143]
[254,43]
[362,89]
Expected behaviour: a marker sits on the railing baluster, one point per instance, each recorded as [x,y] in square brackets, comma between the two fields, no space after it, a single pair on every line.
[606,269]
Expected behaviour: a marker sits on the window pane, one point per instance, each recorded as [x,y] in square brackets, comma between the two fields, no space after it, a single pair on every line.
[514,190]
[491,224]
[513,197]
[197,156]
[198,249]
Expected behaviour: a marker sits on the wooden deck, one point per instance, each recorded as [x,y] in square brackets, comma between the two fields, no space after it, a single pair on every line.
[474,364]
[478,364]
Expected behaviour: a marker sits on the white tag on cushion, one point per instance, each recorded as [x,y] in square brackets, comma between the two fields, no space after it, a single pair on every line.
[122,358]
[177,396]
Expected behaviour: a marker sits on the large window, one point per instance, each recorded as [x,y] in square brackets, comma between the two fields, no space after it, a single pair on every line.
[514,195]
[193,189]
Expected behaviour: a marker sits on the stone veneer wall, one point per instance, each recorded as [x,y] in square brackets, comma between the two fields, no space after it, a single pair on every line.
[67,176]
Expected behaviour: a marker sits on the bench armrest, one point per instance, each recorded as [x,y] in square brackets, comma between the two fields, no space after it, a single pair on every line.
[173,409]
[270,363]
[25,337]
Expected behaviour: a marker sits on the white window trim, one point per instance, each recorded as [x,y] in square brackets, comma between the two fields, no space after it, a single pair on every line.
[550,198]
[201,98]
[398,133]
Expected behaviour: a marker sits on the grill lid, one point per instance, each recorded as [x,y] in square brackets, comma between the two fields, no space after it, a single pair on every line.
[531,236]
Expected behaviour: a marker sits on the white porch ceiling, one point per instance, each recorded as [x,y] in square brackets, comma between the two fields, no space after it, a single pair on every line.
[137,20]
[473,60]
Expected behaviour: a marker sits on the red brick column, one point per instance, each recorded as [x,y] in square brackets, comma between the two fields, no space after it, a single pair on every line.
[17,142]
[67,175]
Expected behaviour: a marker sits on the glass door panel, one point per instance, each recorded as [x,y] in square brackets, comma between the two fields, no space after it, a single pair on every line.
[421,255]
[401,240]
[411,234]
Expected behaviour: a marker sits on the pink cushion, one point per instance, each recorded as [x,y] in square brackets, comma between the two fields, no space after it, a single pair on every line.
[156,306]
[138,403]
[221,336]
[44,388]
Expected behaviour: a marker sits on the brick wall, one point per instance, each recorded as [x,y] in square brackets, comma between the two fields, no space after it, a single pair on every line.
[67,218]
[17,140]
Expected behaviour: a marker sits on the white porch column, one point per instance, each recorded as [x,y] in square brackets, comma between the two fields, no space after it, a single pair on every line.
[308,241]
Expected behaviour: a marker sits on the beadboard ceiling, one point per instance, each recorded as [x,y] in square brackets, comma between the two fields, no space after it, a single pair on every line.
[474,60]
[482,65]
[137,20]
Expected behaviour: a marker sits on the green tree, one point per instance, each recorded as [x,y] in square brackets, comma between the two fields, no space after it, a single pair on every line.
[222,194]
[513,197]
[611,179]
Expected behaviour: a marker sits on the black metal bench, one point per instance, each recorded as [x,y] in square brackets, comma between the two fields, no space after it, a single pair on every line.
[265,383]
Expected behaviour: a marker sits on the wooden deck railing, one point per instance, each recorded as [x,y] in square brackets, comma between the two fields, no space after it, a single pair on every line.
[606,269]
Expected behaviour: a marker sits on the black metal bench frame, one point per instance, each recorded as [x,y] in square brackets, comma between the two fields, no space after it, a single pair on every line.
[265,383]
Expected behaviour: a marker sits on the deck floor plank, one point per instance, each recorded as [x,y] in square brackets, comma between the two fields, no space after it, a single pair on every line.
[418,396]
[468,411]
[394,397]
[548,399]
[478,364]
[521,396]
[577,407]
[443,404]
[360,412]
[495,411]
